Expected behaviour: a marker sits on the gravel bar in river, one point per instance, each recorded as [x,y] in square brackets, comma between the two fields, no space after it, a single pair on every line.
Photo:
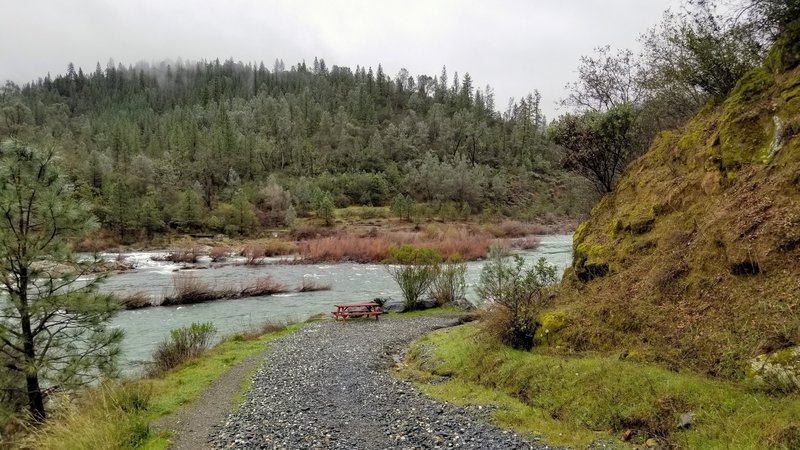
[328,386]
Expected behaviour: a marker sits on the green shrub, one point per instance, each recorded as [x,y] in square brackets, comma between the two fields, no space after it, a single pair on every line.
[184,344]
[515,294]
[414,270]
[449,284]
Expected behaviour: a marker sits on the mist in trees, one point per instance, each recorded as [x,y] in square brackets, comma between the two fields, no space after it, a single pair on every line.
[181,146]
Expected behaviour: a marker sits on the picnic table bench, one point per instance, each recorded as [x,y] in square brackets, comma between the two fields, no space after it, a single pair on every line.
[346,310]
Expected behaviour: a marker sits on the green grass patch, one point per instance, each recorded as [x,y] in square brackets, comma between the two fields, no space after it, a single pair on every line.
[117,415]
[184,384]
[575,400]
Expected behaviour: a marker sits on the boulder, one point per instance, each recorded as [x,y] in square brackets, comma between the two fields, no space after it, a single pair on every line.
[779,370]
[426,303]
[462,303]
[390,305]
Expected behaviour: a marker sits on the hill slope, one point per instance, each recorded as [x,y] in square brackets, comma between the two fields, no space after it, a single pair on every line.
[693,260]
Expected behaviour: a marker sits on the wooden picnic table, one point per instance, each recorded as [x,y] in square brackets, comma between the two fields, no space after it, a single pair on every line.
[346,310]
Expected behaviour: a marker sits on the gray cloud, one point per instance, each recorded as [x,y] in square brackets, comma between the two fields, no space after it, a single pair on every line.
[516,46]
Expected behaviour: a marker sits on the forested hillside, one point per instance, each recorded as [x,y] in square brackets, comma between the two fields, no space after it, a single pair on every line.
[232,147]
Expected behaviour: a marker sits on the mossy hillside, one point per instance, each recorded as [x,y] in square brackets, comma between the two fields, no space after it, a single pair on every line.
[698,247]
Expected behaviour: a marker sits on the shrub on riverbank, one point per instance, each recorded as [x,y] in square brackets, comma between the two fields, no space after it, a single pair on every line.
[515,295]
[184,344]
[449,284]
[414,270]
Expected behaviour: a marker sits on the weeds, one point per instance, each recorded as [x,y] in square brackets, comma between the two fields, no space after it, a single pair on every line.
[414,270]
[263,286]
[312,285]
[219,254]
[449,284]
[184,344]
[515,296]
[137,300]
[109,417]
[188,289]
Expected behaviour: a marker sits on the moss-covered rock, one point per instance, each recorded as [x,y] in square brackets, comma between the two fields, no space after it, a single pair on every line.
[549,324]
[589,261]
[779,370]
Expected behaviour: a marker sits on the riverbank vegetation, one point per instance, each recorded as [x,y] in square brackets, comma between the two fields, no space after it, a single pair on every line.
[117,414]
[677,324]
[576,400]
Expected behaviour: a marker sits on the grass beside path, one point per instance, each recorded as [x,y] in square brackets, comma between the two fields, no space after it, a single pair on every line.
[573,401]
[117,415]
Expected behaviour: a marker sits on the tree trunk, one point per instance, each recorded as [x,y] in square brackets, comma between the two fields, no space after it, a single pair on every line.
[35,398]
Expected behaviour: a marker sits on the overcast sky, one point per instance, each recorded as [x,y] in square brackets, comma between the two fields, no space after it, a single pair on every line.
[515,46]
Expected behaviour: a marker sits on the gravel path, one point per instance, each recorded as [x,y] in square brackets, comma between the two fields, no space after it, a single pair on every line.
[328,386]
[190,425]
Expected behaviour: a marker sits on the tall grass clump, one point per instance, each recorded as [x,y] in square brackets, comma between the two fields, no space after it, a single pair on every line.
[449,284]
[256,253]
[183,344]
[219,254]
[136,300]
[263,286]
[312,285]
[113,417]
[515,295]
[188,289]
[187,255]
[414,270]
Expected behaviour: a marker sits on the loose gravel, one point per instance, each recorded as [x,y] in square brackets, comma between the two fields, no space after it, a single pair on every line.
[328,386]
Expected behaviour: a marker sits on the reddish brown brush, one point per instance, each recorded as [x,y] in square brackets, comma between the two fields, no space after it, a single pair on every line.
[137,300]
[523,243]
[257,252]
[345,248]
[449,242]
[219,254]
[311,285]
[187,255]
[263,286]
[188,289]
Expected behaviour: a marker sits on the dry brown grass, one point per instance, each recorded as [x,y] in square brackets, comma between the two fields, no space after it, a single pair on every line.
[514,229]
[312,285]
[263,286]
[255,253]
[523,243]
[186,255]
[220,253]
[188,289]
[306,232]
[137,300]
[452,241]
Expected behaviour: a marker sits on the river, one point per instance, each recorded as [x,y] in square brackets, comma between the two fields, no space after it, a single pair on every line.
[145,328]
